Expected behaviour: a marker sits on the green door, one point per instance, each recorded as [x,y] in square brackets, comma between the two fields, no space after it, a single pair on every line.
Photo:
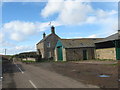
[118,49]
[60,55]
[84,54]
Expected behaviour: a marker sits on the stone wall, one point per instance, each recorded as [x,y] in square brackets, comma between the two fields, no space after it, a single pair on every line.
[52,40]
[56,55]
[29,59]
[64,54]
[77,54]
[40,48]
[47,51]
[107,53]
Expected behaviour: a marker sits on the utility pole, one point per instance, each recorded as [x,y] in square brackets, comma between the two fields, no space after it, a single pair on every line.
[5,51]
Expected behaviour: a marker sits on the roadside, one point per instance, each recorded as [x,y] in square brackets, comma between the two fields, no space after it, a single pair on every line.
[86,72]
[8,73]
[20,75]
[0,73]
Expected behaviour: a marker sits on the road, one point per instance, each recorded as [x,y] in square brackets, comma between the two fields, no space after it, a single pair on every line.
[29,76]
[0,72]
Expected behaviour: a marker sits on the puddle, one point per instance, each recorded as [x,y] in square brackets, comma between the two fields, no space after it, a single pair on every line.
[73,70]
[1,77]
[104,76]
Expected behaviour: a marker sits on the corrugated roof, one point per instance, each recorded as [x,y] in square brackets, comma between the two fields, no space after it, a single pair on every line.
[110,38]
[83,42]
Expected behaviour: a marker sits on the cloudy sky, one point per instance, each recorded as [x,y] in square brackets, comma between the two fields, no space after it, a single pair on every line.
[23,23]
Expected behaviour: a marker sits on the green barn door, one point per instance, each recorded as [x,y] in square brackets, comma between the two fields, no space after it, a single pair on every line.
[84,54]
[118,50]
[60,55]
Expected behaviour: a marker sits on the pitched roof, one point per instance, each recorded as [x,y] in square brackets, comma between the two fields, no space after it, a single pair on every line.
[76,43]
[110,38]
[46,38]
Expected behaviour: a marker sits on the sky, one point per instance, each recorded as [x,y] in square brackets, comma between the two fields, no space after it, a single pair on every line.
[23,23]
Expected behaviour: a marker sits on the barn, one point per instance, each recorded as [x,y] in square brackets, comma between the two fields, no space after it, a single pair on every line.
[75,49]
[109,48]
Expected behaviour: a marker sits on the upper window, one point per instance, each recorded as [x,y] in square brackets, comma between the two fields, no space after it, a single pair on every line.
[48,44]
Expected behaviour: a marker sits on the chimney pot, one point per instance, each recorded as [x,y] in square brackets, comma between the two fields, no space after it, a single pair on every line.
[53,29]
[118,31]
[44,35]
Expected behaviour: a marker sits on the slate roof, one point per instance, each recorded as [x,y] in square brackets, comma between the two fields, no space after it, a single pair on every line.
[46,38]
[110,38]
[76,43]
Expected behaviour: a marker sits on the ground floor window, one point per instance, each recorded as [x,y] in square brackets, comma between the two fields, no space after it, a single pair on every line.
[49,54]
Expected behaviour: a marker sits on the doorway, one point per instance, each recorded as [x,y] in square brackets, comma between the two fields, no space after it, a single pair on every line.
[84,54]
[60,54]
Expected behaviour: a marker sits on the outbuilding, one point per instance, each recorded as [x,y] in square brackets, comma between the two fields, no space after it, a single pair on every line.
[75,49]
[109,48]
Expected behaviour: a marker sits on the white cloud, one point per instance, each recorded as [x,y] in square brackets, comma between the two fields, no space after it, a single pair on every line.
[17,49]
[22,48]
[26,28]
[70,11]
[52,7]
[1,36]
[92,36]
[3,42]
[73,12]
[20,30]
[58,0]
[103,14]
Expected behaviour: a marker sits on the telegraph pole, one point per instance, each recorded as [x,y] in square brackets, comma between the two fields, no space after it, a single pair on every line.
[5,51]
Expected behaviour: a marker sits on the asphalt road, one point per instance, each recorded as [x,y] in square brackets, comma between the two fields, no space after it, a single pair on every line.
[0,72]
[29,76]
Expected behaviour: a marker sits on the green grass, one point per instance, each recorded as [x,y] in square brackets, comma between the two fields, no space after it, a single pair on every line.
[28,61]
[104,60]
[40,61]
[115,64]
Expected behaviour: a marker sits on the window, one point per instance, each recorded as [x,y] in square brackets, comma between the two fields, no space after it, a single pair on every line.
[48,44]
[49,54]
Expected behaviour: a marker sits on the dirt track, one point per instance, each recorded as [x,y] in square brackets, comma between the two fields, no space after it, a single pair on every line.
[87,72]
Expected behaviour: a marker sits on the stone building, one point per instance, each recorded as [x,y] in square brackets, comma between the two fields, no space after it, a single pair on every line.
[75,49]
[109,48]
[47,45]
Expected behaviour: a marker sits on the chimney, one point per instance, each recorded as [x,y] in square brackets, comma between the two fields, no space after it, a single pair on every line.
[118,31]
[44,35]
[118,34]
[53,29]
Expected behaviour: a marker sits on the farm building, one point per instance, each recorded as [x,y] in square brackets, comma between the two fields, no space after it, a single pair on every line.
[109,48]
[75,49]
[47,45]
[28,56]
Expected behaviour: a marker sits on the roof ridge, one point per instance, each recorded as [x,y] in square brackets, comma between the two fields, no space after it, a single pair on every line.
[81,39]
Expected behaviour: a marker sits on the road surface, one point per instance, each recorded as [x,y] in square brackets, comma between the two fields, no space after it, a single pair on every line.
[0,72]
[29,76]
